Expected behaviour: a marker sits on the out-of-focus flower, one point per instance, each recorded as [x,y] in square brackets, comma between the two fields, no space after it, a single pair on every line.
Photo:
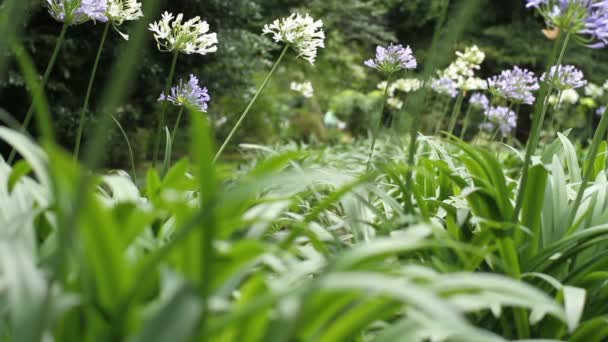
[564,77]
[188,94]
[586,19]
[594,91]
[479,100]
[462,70]
[515,85]
[569,96]
[187,37]
[304,88]
[75,12]
[301,32]
[392,59]
[601,111]
[474,83]
[331,120]
[444,86]
[588,102]
[394,103]
[605,86]
[499,117]
[404,85]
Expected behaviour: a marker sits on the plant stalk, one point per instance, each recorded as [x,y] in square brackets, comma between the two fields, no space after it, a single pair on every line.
[45,79]
[87,97]
[379,121]
[466,123]
[537,124]
[255,97]
[456,112]
[161,118]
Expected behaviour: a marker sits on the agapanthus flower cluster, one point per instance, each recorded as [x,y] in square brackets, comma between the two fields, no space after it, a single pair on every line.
[501,118]
[404,85]
[304,88]
[75,12]
[587,19]
[594,91]
[301,32]
[516,85]
[188,37]
[564,77]
[601,111]
[188,94]
[569,96]
[479,100]
[120,11]
[444,86]
[462,70]
[393,58]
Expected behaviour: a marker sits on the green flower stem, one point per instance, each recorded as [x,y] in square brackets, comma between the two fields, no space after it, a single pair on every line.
[161,118]
[456,112]
[124,134]
[87,97]
[537,124]
[255,97]
[600,133]
[466,123]
[45,79]
[379,121]
[443,113]
[179,119]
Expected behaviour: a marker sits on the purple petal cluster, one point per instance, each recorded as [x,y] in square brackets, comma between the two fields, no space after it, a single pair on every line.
[601,111]
[444,86]
[588,18]
[78,12]
[479,100]
[392,59]
[188,94]
[499,117]
[564,77]
[515,85]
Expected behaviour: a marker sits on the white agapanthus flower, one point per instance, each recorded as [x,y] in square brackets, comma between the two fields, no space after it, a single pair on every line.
[594,91]
[394,102]
[188,37]
[404,85]
[569,96]
[301,32]
[606,85]
[474,83]
[120,11]
[304,88]
[462,70]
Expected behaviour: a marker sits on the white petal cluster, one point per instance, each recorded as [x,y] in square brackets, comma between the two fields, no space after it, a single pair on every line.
[120,11]
[304,88]
[404,85]
[594,91]
[188,37]
[301,32]
[462,70]
[569,96]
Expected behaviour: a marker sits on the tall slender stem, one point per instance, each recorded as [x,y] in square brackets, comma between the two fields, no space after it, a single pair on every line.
[45,79]
[467,120]
[131,156]
[600,133]
[161,118]
[537,124]
[456,112]
[179,119]
[87,97]
[255,97]
[379,121]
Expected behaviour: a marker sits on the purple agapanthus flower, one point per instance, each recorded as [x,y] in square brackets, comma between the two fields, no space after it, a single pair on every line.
[392,59]
[78,11]
[586,18]
[188,94]
[499,117]
[515,85]
[564,77]
[479,100]
[601,111]
[444,86]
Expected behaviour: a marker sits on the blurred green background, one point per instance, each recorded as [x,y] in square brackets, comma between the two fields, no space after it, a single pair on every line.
[507,32]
